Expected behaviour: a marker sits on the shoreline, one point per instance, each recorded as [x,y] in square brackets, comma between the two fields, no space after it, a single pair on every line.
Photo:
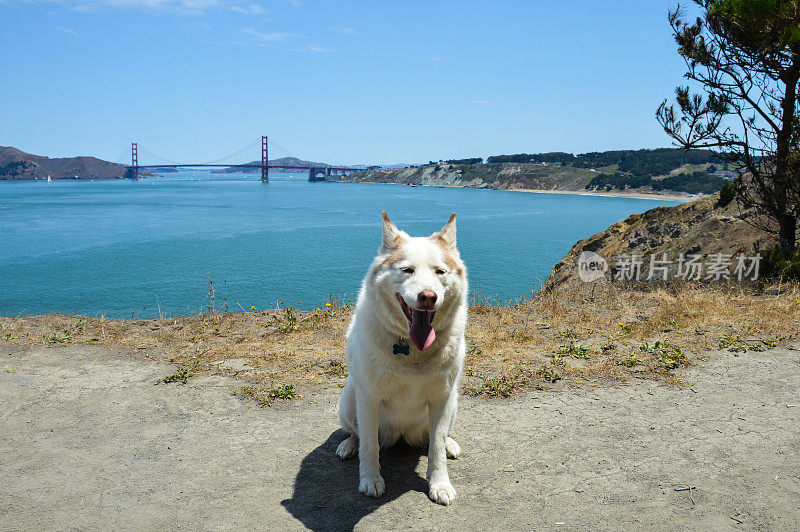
[683,198]
[621,194]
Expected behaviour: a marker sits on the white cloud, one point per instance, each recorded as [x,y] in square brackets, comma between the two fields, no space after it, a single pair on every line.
[268,37]
[248,9]
[177,7]
[347,30]
[317,49]
[196,25]
[67,31]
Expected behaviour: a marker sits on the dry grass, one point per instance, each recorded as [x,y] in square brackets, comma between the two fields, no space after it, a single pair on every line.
[588,333]
[581,334]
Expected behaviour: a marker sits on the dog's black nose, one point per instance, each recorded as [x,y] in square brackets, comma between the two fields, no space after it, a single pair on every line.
[426,299]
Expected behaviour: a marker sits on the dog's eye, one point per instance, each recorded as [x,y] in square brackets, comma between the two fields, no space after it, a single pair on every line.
[408,270]
[440,271]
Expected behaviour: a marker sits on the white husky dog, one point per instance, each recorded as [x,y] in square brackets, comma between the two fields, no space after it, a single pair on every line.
[405,352]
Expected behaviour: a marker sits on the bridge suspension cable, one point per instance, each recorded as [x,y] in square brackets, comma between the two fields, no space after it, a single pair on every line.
[251,149]
[283,150]
[158,158]
[124,157]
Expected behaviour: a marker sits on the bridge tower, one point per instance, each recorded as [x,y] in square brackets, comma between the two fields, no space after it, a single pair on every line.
[264,160]
[134,160]
[316,173]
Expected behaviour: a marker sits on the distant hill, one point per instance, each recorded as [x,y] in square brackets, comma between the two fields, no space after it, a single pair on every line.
[17,164]
[287,161]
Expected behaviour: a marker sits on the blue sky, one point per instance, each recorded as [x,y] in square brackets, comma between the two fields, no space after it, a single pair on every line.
[334,81]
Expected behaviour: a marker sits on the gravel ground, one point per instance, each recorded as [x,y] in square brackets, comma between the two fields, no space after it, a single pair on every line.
[88,442]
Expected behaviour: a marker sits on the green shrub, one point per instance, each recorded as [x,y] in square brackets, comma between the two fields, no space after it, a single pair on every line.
[727,193]
[774,264]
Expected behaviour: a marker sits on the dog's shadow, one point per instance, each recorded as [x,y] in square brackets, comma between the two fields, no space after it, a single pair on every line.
[326,493]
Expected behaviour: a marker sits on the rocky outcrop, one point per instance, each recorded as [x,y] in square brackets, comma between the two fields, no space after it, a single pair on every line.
[701,227]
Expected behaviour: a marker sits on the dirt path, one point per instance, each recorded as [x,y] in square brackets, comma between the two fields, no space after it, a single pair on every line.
[87,441]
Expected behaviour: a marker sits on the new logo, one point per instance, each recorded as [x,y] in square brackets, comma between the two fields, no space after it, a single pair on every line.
[591,266]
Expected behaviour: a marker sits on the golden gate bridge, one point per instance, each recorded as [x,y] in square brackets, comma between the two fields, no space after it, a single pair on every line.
[251,156]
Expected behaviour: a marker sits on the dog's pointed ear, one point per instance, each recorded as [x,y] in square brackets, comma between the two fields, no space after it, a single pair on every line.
[447,234]
[391,235]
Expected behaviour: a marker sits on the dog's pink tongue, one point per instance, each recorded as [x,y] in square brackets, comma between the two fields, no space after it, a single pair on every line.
[421,330]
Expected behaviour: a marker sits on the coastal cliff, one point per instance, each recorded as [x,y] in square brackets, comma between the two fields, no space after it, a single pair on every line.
[703,226]
[504,176]
[507,176]
[661,171]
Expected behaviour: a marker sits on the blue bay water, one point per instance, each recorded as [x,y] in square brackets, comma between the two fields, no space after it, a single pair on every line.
[116,248]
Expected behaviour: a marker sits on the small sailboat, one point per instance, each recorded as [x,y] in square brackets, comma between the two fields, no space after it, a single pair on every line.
[48,178]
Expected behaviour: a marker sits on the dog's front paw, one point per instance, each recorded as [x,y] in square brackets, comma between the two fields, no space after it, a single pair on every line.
[348,448]
[372,486]
[452,448]
[442,493]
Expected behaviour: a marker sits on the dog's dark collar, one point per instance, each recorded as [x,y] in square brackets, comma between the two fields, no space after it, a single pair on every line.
[401,347]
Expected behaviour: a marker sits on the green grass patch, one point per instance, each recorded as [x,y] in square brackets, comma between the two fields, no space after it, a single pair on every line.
[549,375]
[629,362]
[181,375]
[568,333]
[268,396]
[336,369]
[577,351]
[668,355]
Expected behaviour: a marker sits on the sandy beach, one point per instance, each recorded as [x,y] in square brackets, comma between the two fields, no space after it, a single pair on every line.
[684,198]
